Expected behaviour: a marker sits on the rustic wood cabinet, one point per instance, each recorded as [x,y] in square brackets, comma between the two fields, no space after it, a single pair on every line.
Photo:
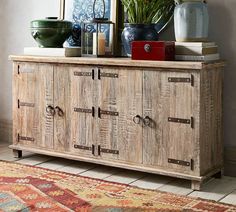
[158,117]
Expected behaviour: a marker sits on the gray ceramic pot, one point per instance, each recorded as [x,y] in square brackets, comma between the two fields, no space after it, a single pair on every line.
[191,21]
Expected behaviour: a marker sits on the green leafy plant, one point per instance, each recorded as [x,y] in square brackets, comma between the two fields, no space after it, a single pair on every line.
[148,11]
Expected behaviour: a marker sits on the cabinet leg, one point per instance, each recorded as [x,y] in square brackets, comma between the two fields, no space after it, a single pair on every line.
[218,175]
[17,153]
[196,185]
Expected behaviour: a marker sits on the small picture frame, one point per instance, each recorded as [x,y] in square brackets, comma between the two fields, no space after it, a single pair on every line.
[80,11]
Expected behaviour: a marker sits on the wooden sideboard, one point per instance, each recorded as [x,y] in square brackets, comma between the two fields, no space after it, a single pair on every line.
[158,117]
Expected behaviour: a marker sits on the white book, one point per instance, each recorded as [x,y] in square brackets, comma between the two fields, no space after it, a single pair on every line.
[195,50]
[60,52]
[199,44]
[204,58]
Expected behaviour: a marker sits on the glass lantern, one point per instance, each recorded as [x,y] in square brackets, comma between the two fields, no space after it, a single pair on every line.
[97,38]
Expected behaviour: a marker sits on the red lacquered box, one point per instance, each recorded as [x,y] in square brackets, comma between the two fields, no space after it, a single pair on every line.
[153,50]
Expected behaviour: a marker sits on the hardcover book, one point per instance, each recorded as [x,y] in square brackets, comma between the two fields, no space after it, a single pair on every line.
[199,44]
[195,50]
[61,52]
[204,58]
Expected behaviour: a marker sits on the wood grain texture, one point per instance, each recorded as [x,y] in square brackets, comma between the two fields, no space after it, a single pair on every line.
[118,164]
[196,185]
[83,93]
[120,62]
[62,101]
[211,120]
[124,96]
[164,140]
[32,85]
[182,91]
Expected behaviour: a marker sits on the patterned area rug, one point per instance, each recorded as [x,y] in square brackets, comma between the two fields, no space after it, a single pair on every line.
[26,188]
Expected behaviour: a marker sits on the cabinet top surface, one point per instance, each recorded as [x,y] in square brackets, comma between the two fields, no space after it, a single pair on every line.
[121,62]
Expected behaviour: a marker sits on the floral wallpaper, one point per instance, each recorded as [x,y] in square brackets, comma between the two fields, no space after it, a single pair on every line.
[79,11]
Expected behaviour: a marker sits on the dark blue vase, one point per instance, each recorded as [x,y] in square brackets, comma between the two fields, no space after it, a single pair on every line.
[137,32]
[75,38]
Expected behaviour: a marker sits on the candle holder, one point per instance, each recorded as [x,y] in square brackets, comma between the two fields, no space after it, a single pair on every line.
[97,36]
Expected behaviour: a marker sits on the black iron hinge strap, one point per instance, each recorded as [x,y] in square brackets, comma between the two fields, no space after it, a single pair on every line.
[182,163]
[182,121]
[108,75]
[83,110]
[24,138]
[25,104]
[108,151]
[106,112]
[182,80]
[83,147]
[84,74]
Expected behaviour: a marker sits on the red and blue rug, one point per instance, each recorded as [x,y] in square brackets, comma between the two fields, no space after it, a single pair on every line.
[27,188]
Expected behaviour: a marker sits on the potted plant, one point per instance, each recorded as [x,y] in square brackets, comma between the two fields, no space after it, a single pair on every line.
[146,18]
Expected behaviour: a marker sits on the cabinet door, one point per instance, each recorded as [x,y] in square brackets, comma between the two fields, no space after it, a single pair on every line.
[120,100]
[62,105]
[171,110]
[32,93]
[83,103]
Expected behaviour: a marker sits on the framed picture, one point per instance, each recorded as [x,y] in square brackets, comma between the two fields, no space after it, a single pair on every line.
[79,11]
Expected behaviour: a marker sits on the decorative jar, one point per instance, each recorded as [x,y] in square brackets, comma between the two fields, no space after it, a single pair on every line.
[137,32]
[191,21]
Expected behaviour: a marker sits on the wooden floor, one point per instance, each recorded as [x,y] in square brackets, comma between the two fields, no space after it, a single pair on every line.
[222,190]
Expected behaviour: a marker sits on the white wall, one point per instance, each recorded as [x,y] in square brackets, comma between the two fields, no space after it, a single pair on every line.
[15,16]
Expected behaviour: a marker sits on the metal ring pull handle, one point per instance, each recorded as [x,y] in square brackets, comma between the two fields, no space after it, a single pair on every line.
[50,110]
[147,48]
[147,121]
[59,111]
[137,119]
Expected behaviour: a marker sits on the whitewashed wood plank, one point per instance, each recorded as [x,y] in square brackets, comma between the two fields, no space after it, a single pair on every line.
[178,186]
[216,189]
[179,66]
[152,181]
[230,199]
[34,160]
[126,177]
[100,172]
[55,164]
[77,168]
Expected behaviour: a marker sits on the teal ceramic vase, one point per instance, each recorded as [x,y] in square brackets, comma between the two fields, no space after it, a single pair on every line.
[191,21]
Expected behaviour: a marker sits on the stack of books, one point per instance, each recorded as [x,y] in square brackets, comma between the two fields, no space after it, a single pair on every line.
[62,52]
[196,51]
